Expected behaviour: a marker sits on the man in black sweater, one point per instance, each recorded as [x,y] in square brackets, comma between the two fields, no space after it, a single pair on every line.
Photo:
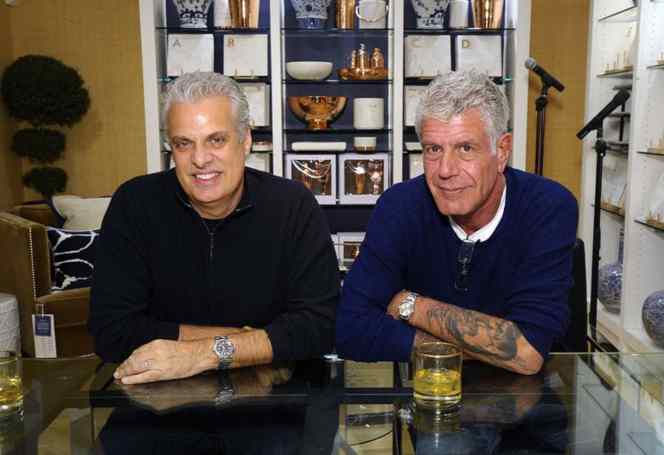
[211,265]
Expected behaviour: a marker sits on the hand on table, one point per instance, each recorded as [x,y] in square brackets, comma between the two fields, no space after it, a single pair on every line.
[161,360]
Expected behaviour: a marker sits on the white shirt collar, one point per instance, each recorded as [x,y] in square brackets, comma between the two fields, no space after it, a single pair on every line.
[485,231]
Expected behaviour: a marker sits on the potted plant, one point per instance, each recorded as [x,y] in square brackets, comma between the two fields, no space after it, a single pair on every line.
[43,91]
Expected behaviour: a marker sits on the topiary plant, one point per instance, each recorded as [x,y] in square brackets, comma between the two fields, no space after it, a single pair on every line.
[42,91]
[46,180]
[40,145]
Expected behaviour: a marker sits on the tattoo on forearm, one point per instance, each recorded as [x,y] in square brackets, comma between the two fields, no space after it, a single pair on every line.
[478,333]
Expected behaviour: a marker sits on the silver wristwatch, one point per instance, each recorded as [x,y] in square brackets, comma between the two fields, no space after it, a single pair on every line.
[407,306]
[224,348]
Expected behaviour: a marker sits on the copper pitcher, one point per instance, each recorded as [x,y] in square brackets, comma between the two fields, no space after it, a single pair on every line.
[487,13]
[346,14]
[244,13]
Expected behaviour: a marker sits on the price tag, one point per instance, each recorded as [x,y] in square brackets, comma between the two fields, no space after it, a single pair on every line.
[43,330]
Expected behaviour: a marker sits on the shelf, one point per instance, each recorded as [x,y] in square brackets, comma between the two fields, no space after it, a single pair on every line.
[335,152]
[618,74]
[427,80]
[643,222]
[457,31]
[218,30]
[338,82]
[658,66]
[325,32]
[630,14]
[612,209]
[239,79]
[637,340]
[335,131]
[620,115]
[653,152]
[622,87]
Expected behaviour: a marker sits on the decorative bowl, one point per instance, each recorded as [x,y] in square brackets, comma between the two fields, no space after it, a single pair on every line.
[309,71]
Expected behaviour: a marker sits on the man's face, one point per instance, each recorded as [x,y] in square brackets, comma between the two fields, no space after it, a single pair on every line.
[459,166]
[209,157]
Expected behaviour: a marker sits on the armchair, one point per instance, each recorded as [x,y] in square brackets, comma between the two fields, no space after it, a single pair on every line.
[25,272]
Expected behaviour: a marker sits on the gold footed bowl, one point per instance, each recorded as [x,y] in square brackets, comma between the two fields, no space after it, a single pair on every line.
[317,111]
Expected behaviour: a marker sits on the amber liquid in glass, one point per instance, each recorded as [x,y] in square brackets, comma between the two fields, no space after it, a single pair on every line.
[11,393]
[437,388]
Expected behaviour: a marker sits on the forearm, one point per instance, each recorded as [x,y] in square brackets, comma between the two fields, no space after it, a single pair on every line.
[197,332]
[487,338]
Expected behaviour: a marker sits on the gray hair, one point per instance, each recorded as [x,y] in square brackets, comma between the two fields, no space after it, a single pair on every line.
[194,87]
[454,93]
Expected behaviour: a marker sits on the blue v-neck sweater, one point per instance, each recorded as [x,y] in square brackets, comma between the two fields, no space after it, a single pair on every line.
[522,273]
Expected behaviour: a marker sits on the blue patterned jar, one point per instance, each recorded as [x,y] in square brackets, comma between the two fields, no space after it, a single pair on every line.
[311,13]
[652,314]
[610,280]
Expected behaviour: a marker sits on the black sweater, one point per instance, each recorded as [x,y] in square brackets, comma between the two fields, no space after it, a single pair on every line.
[270,264]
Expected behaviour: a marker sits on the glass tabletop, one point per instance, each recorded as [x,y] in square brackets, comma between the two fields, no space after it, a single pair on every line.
[578,403]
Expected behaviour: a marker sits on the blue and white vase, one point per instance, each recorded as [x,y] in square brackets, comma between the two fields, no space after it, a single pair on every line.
[430,13]
[311,13]
[610,280]
[193,13]
[652,314]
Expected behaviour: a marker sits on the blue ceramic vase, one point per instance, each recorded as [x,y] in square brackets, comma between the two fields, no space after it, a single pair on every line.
[610,280]
[652,314]
[311,13]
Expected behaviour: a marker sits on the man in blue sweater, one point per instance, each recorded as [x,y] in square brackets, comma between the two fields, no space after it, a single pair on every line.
[474,252]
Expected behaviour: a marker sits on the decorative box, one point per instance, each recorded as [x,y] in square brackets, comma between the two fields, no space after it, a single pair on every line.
[483,53]
[412,96]
[427,55]
[245,55]
[258,96]
[363,177]
[415,165]
[188,53]
[316,172]
[349,247]
[259,161]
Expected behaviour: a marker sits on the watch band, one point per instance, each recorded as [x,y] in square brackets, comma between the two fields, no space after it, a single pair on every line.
[407,306]
[224,348]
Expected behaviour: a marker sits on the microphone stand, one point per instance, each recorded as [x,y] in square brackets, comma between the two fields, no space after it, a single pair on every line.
[540,106]
[601,148]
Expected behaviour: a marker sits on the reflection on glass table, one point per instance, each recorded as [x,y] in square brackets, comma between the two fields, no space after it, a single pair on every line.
[588,403]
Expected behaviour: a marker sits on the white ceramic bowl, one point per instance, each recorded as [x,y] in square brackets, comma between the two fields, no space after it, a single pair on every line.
[309,71]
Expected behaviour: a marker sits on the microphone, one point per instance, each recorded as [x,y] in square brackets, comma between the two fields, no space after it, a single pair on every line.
[547,79]
[621,98]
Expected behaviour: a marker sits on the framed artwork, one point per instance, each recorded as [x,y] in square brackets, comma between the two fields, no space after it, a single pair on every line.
[316,172]
[349,248]
[363,177]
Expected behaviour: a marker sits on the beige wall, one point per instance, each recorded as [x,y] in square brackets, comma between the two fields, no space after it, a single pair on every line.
[102,41]
[10,185]
[558,41]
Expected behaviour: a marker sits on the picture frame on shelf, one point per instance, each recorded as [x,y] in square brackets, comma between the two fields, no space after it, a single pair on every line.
[415,165]
[260,161]
[349,244]
[655,215]
[335,243]
[187,53]
[412,97]
[482,53]
[614,181]
[258,96]
[316,172]
[363,177]
[418,52]
[246,56]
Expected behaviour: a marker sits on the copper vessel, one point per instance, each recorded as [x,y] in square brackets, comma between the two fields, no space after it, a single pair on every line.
[346,14]
[244,13]
[487,13]
[317,111]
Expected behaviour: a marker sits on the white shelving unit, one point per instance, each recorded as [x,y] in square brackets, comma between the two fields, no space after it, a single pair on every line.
[643,265]
[516,49]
